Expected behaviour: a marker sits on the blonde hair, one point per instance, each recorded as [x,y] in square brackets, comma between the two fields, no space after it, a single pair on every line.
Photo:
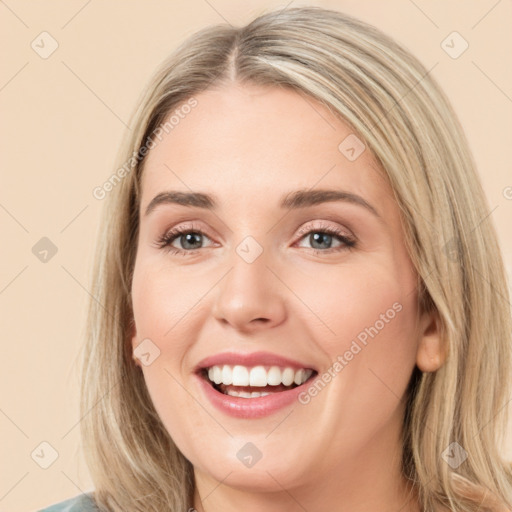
[392,103]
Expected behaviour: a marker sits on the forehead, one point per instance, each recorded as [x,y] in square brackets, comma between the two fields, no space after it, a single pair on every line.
[242,139]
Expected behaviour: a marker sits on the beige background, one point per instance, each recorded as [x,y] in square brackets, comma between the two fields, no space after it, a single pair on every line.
[62,120]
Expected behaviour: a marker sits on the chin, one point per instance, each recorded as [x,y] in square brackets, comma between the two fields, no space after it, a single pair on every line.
[266,475]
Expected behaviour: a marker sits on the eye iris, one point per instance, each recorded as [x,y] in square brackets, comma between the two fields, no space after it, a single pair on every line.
[320,237]
[189,238]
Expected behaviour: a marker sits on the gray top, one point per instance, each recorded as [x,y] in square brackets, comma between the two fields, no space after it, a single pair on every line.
[80,503]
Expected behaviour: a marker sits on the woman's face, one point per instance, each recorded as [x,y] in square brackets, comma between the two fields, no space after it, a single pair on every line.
[294,266]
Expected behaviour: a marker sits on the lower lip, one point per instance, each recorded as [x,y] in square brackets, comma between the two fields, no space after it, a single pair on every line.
[250,407]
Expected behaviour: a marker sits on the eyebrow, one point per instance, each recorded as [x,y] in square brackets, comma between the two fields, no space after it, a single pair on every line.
[293,200]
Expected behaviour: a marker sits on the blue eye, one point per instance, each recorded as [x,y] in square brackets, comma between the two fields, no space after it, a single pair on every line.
[191,239]
[327,236]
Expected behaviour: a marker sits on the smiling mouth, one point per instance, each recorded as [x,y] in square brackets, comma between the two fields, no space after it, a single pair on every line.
[257,381]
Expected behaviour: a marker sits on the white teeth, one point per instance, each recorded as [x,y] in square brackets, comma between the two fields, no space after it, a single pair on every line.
[246,394]
[256,394]
[240,376]
[274,376]
[288,376]
[257,376]
[299,376]
[227,375]
[217,375]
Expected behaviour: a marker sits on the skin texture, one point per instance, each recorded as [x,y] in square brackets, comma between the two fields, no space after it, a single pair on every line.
[249,146]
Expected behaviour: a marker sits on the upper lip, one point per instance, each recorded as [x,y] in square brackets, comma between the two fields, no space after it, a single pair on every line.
[250,360]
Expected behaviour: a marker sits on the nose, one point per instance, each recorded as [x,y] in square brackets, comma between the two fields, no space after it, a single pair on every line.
[250,297]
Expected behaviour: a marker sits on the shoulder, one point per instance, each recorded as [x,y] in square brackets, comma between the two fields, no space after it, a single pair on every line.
[80,503]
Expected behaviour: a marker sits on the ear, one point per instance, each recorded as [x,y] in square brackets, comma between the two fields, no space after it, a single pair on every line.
[134,340]
[431,353]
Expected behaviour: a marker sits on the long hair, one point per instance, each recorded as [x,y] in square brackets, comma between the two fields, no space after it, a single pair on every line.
[392,102]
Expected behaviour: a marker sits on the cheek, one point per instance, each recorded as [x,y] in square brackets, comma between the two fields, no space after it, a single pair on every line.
[372,352]
[364,302]
[370,314]
[163,304]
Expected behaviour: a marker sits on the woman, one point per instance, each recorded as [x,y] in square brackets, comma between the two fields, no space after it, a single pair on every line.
[299,301]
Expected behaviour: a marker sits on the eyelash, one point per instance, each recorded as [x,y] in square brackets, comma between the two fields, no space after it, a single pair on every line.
[164,242]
